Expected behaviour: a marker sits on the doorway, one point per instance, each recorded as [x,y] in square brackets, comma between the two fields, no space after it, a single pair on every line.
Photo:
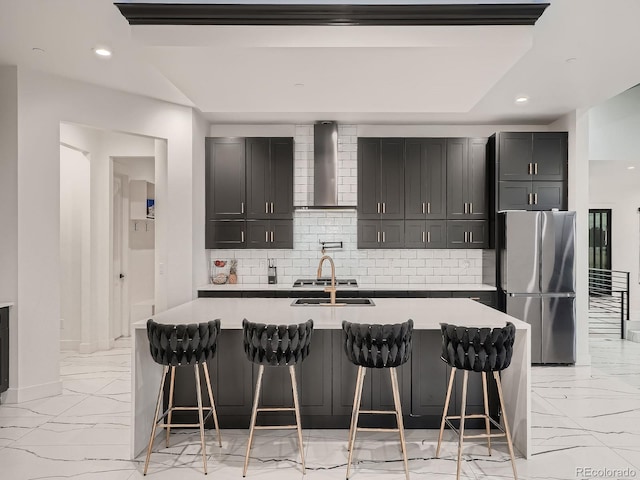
[600,238]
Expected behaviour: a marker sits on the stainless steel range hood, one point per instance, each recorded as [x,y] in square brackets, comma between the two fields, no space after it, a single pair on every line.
[325,165]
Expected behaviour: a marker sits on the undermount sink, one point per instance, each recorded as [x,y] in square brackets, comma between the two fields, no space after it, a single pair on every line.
[325,282]
[340,302]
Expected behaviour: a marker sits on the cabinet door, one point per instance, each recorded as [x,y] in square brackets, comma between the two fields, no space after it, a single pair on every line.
[316,375]
[369,235]
[515,195]
[4,349]
[344,381]
[467,234]
[258,178]
[282,231]
[382,393]
[430,374]
[477,194]
[550,156]
[548,195]
[281,191]
[457,153]
[225,234]
[225,178]
[258,234]
[392,178]
[425,178]
[436,234]
[515,155]
[415,234]
[391,234]
[369,178]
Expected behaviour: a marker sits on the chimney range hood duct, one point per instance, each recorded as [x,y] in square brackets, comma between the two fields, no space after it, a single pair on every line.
[325,165]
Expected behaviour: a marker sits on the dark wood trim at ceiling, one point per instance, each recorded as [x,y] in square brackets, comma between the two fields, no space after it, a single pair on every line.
[346,15]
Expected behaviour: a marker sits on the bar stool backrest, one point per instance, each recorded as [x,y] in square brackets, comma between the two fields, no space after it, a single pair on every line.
[276,345]
[477,349]
[377,346]
[184,344]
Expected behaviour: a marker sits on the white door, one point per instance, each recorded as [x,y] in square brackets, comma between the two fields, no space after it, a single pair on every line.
[118,315]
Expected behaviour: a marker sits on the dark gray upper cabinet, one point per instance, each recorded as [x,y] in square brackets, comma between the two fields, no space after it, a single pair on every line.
[425,178]
[381,234]
[225,234]
[467,193]
[534,156]
[381,178]
[269,233]
[467,234]
[549,195]
[425,234]
[269,177]
[225,177]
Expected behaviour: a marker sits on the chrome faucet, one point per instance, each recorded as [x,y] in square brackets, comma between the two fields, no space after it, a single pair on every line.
[332,288]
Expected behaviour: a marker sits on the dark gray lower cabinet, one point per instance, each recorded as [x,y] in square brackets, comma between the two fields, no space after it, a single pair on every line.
[225,234]
[468,234]
[425,234]
[380,233]
[326,382]
[4,349]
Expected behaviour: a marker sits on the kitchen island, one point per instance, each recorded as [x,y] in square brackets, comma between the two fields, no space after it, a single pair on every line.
[327,379]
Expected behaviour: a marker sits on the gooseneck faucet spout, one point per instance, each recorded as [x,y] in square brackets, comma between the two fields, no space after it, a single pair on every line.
[332,289]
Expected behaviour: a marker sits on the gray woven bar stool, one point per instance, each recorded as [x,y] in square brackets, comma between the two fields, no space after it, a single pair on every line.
[176,346]
[276,346]
[377,346]
[483,350]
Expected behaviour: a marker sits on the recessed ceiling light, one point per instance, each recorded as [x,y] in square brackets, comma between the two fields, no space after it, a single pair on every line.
[522,99]
[631,168]
[299,85]
[571,59]
[102,52]
[37,50]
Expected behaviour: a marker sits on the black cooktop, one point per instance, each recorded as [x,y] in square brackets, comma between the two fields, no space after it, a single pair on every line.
[325,282]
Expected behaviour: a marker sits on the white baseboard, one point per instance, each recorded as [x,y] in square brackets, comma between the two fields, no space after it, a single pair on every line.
[33,392]
[69,345]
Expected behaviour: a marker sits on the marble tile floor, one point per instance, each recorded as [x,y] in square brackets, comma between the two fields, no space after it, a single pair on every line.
[583,417]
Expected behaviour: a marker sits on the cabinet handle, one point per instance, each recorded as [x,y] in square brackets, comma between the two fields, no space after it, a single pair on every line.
[529,169]
[378,237]
[428,207]
[423,207]
[535,168]
[242,207]
[378,206]
[271,207]
[471,207]
[423,240]
[241,236]
[266,237]
[384,207]
[535,198]
[429,237]
[528,199]
[266,207]
[272,236]
[383,237]
[466,208]
[466,237]
[470,237]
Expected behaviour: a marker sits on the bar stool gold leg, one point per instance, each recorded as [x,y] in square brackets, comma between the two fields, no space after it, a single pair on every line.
[296,404]
[487,425]
[171,386]
[355,423]
[201,417]
[446,409]
[212,401]
[155,418]
[396,400]
[254,414]
[496,375]
[462,414]
[355,400]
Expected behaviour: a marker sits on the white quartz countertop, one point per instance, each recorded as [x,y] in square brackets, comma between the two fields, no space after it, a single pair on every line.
[361,286]
[6,304]
[427,313]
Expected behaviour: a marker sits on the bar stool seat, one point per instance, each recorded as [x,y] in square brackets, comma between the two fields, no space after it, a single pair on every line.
[483,350]
[276,346]
[377,346]
[181,345]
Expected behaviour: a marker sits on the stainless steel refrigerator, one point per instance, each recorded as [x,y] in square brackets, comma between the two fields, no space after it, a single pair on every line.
[537,276]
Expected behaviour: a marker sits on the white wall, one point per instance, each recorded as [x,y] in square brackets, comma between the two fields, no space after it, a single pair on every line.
[75,231]
[43,102]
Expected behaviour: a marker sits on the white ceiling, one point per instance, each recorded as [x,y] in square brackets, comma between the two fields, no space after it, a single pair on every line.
[361,74]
